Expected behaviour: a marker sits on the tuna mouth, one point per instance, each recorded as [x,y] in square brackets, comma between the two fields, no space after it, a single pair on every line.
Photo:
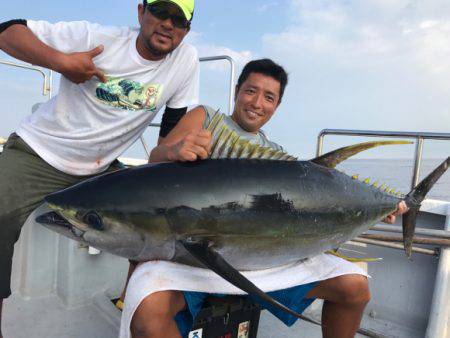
[54,220]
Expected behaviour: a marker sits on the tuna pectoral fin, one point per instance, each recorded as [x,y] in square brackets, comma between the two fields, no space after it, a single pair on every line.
[413,200]
[333,158]
[204,252]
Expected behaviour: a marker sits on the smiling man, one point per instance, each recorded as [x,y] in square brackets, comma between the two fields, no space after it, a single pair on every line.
[114,81]
[154,309]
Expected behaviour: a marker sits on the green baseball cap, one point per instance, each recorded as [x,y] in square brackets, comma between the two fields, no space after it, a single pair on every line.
[186,6]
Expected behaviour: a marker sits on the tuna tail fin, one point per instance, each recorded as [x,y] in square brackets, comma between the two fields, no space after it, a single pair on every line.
[413,200]
[333,158]
[205,253]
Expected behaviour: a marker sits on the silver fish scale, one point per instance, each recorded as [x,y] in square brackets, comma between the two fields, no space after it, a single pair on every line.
[226,143]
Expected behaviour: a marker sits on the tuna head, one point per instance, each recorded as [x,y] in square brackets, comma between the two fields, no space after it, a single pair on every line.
[96,214]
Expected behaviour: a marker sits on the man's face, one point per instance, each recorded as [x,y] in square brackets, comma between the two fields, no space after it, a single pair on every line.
[256,101]
[157,37]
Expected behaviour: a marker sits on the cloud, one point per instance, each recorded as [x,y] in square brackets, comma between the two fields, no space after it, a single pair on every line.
[369,33]
[373,64]
[209,49]
[264,7]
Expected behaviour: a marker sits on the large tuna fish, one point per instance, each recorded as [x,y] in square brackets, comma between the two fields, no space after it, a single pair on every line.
[228,215]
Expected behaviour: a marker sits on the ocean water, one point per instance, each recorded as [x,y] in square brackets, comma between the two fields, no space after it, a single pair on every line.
[398,174]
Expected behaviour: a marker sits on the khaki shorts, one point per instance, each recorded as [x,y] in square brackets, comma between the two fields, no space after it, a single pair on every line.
[25,179]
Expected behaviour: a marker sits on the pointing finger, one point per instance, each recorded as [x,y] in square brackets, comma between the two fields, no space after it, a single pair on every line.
[99,74]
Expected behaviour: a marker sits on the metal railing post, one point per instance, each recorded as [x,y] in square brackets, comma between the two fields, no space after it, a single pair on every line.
[47,86]
[417,162]
[232,74]
[418,136]
[439,319]
[319,145]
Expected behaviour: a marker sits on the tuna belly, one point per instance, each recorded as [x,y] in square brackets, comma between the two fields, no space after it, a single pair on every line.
[256,252]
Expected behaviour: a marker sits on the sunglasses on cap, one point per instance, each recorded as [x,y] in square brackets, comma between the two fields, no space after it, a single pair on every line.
[161,12]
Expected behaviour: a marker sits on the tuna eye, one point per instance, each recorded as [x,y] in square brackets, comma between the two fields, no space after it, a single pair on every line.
[94,220]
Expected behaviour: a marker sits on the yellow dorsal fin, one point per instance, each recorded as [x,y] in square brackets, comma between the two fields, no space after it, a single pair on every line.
[244,150]
[277,155]
[217,141]
[234,148]
[215,122]
[226,139]
[267,153]
[229,144]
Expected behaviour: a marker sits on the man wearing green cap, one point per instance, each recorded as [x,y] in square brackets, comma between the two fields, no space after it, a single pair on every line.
[114,81]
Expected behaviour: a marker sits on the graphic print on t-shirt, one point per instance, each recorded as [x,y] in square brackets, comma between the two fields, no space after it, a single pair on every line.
[129,95]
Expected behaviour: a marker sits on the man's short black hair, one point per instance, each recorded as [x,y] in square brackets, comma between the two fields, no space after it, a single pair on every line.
[266,67]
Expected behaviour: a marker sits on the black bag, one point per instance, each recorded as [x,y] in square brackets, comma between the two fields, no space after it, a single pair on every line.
[228,317]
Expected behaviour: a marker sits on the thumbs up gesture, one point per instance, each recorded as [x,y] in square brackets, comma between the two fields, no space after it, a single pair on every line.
[79,67]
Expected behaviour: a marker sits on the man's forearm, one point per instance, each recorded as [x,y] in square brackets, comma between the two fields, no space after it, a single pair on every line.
[19,42]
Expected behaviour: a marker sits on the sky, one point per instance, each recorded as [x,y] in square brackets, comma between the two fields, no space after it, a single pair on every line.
[352,64]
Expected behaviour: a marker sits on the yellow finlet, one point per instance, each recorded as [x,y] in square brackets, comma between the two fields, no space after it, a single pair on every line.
[352,259]
[355,177]
[367,180]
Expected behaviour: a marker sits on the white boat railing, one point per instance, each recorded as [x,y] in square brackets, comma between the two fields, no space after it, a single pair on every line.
[439,318]
[47,87]
[420,137]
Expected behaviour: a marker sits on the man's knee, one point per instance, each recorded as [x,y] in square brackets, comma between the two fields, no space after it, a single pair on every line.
[155,312]
[355,289]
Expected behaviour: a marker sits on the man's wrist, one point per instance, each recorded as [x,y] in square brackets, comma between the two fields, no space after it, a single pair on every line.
[59,62]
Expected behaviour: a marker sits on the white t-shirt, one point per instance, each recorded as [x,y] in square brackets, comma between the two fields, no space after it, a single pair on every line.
[87,126]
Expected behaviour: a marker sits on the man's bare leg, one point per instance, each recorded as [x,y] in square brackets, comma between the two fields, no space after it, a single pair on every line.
[345,299]
[155,315]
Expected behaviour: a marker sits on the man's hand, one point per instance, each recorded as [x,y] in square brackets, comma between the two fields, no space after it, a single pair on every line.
[401,209]
[79,67]
[195,145]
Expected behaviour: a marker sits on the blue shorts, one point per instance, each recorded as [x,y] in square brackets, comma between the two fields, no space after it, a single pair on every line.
[293,298]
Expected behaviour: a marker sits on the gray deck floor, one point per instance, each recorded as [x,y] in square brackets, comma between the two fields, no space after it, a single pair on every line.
[49,318]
